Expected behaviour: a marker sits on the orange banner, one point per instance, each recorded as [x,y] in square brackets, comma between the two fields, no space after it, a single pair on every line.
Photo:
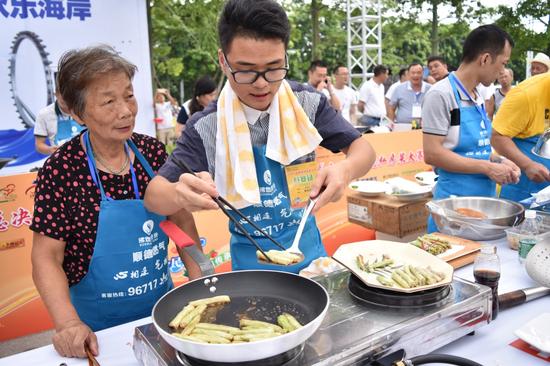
[22,311]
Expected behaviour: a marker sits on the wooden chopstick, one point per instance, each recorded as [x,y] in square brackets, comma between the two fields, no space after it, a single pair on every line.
[91,359]
[222,202]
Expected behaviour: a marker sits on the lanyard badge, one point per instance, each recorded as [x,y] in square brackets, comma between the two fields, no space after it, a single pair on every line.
[480,109]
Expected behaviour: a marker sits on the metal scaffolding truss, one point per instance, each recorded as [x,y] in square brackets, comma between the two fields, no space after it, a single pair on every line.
[364,39]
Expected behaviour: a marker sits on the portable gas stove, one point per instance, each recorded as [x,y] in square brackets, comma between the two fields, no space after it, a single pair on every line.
[363,325]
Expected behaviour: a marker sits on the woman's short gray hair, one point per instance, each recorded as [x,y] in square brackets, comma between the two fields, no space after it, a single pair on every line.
[77,69]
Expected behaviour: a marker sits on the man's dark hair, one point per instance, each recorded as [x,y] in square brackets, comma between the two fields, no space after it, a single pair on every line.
[485,39]
[335,70]
[256,19]
[402,72]
[379,69]
[415,64]
[436,58]
[315,64]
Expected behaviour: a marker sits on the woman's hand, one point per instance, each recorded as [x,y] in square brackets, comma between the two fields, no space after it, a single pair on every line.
[69,340]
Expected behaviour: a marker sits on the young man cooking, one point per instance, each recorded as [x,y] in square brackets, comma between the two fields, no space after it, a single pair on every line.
[455,125]
[260,125]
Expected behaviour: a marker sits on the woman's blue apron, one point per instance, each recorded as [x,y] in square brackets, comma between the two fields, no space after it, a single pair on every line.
[525,186]
[277,218]
[67,128]
[128,271]
[474,142]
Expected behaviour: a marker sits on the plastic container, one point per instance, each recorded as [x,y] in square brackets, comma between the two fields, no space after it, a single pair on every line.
[514,234]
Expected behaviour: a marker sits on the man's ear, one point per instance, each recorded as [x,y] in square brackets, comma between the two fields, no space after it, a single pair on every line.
[485,59]
[221,59]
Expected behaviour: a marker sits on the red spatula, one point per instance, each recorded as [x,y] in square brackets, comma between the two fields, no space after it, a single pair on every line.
[184,243]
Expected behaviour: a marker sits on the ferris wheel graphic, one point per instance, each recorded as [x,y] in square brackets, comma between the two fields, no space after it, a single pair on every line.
[25,114]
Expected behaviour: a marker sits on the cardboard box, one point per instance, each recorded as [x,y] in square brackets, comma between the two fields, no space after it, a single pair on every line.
[388,215]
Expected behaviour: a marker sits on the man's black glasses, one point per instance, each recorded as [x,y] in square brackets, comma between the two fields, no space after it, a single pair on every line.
[250,76]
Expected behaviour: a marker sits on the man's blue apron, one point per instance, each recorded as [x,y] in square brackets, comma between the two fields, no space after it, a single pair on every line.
[128,271]
[67,128]
[277,218]
[474,142]
[525,186]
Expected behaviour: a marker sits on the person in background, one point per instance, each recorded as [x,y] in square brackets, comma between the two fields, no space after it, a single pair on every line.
[505,79]
[204,91]
[346,95]
[164,109]
[405,105]
[371,98]
[456,128]
[487,92]
[242,144]
[438,67]
[182,117]
[53,127]
[540,64]
[403,77]
[90,227]
[522,117]
[318,78]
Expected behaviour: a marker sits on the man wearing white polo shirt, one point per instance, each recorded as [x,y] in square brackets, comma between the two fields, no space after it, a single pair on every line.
[371,98]
[346,95]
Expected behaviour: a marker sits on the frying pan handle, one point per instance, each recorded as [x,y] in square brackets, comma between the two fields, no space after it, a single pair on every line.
[185,243]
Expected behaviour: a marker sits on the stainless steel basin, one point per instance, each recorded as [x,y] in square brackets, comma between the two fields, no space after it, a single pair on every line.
[501,214]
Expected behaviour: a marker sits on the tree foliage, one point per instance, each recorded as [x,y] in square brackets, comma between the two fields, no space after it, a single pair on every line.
[332,36]
[184,35]
[526,38]
[184,42]
[461,10]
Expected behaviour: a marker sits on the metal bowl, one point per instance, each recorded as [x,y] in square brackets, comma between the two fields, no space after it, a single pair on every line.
[501,214]
[542,148]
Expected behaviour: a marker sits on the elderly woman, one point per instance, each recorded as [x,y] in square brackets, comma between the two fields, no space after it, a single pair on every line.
[98,256]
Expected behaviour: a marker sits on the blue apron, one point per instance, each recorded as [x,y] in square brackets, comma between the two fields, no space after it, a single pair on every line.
[128,271]
[277,218]
[525,186]
[474,142]
[67,128]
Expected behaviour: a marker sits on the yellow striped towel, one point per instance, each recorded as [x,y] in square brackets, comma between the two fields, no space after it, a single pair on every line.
[291,135]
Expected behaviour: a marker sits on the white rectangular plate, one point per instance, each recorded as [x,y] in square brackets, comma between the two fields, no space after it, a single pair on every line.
[536,332]
[401,253]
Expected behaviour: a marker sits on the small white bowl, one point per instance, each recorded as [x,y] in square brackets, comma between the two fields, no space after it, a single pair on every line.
[369,188]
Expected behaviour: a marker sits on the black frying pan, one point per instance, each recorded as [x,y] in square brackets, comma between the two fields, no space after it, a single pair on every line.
[258,295]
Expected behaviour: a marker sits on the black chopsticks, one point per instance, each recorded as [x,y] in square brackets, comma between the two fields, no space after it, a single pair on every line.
[222,202]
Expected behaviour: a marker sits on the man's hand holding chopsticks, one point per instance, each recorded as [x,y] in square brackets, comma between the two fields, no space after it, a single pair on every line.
[195,192]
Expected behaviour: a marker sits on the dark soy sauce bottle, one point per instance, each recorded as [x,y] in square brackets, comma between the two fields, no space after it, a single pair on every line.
[487,272]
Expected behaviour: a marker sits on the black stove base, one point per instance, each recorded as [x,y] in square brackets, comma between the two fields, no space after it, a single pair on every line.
[292,357]
[395,299]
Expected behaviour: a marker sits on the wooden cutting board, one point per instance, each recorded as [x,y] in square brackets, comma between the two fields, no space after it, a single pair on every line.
[464,251]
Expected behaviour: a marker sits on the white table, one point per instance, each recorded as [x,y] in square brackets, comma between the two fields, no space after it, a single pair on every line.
[489,346]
